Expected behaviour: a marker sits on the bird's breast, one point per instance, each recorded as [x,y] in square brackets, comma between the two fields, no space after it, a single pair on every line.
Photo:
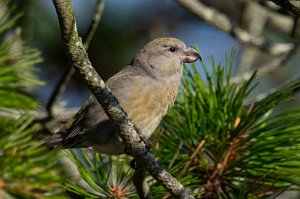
[147,103]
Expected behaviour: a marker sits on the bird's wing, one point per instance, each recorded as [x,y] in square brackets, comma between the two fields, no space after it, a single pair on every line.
[77,122]
[70,135]
[91,124]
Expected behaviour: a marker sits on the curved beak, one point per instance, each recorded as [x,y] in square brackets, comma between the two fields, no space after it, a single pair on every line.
[190,55]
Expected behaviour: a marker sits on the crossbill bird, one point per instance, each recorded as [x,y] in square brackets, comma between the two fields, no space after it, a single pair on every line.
[146,89]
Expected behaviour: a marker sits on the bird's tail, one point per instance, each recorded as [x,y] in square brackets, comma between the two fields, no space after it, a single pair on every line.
[54,140]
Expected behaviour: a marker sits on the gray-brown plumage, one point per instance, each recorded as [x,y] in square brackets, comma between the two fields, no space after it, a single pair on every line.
[146,90]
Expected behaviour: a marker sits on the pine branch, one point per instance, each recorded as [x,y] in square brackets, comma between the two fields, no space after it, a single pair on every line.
[27,171]
[17,71]
[6,20]
[105,176]
[248,149]
[27,168]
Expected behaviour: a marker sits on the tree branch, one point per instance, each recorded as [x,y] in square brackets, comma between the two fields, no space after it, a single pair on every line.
[223,23]
[268,68]
[95,23]
[58,90]
[79,60]
[286,5]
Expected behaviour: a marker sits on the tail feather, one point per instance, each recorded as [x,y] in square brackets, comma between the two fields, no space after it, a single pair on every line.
[54,140]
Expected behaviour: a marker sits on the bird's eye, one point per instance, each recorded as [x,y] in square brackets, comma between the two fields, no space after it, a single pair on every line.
[172,49]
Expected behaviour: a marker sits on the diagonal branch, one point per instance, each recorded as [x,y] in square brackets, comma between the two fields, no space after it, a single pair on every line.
[79,59]
[61,84]
[223,23]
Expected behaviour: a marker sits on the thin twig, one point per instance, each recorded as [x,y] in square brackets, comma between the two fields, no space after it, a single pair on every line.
[140,183]
[61,84]
[94,25]
[188,164]
[286,5]
[269,5]
[294,29]
[214,182]
[175,155]
[59,88]
[167,195]
[223,23]
[268,68]
[262,96]
[279,193]
[79,59]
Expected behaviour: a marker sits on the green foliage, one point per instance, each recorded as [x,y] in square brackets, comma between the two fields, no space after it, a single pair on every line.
[105,177]
[239,151]
[27,169]
[7,21]
[16,73]
[25,166]
[16,64]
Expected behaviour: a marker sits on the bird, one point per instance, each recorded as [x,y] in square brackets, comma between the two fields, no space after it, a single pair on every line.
[146,89]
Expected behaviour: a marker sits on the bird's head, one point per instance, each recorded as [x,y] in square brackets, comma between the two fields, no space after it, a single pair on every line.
[165,56]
